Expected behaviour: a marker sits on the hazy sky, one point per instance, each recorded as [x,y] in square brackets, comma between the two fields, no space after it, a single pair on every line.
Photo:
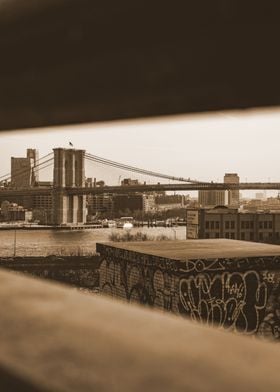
[203,147]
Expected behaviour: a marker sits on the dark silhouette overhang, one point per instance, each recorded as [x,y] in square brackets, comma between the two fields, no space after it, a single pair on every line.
[68,61]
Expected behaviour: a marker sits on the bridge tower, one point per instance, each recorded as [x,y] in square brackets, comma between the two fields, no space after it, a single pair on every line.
[69,172]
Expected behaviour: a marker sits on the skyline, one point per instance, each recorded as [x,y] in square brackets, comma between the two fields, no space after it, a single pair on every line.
[203,146]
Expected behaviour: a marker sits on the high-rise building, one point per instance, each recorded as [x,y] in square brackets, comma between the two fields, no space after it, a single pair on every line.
[233,195]
[211,198]
[128,202]
[42,208]
[218,198]
[134,202]
[100,204]
[23,170]
[149,204]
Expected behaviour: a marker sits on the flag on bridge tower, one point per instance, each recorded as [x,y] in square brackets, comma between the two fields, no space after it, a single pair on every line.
[70,144]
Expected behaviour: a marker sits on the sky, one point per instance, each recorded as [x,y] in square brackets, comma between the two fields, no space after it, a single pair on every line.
[202,146]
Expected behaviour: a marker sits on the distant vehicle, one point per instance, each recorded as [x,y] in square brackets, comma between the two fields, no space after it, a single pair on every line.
[160,223]
[128,225]
[112,224]
[125,222]
[127,218]
[109,224]
[171,222]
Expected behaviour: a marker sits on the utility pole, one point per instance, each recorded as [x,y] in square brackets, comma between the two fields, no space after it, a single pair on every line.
[15,242]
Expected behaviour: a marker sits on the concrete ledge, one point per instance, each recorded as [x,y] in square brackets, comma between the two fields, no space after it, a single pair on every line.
[60,340]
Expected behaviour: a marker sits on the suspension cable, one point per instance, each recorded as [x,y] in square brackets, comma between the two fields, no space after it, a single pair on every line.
[122,166]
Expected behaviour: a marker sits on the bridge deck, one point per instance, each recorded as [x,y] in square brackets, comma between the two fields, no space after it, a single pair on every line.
[141,188]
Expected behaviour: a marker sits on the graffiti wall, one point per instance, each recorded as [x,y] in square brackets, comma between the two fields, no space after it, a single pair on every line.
[237,294]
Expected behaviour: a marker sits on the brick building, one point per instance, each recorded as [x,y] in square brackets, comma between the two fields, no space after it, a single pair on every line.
[233,195]
[12,212]
[100,204]
[224,222]
[214,198]
[211,198]
[134,202]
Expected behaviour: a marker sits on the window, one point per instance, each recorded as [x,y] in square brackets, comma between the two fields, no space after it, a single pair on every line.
[232,236]
[247,225]
[270,224]
[227,235]
[242,225]
[265,225]
[232,224]
[227,224]
[251,236]
[217,224]
[217,235]
[207,225]
[251,225]
[212,225]
[260,236]
[260,225]
[242,235]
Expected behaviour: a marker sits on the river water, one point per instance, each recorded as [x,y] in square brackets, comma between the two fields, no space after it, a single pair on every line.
[60,242]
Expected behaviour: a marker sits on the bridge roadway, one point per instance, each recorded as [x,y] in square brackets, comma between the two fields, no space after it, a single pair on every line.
[141,188]
[174,187]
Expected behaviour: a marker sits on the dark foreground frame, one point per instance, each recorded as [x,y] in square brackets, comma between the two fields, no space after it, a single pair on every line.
[69,61]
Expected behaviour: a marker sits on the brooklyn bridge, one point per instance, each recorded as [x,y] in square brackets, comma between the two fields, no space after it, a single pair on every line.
[68,188]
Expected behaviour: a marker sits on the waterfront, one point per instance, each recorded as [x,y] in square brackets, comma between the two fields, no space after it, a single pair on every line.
[47,242]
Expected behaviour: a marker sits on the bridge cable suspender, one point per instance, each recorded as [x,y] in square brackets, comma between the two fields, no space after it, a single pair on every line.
[122,166]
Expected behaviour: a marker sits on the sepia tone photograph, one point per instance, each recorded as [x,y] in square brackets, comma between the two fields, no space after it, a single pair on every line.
[139,196]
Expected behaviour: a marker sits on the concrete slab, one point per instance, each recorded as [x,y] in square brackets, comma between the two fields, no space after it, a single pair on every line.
[56,339]
[196,249]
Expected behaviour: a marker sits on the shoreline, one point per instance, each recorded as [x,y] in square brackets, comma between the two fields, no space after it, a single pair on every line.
[55,228]
[76,228]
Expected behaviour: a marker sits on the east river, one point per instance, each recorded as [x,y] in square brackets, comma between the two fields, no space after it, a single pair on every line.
[48,242]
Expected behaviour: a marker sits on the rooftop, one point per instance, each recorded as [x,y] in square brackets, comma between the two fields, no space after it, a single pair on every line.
[205,249]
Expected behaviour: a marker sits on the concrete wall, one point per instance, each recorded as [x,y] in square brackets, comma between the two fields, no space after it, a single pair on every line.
[236,294]
[79,271]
